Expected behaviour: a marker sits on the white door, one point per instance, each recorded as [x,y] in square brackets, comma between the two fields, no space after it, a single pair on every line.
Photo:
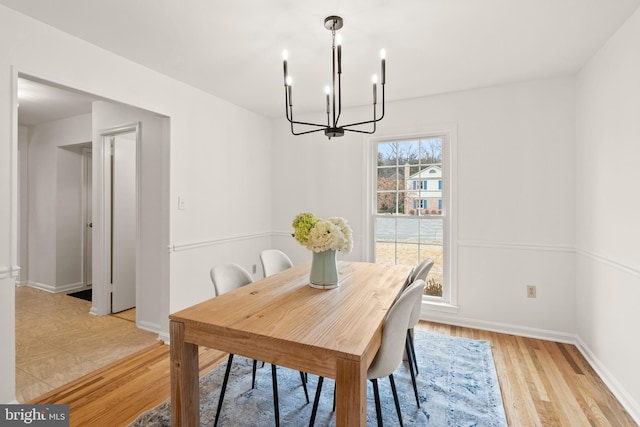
[123,222]
[88,218]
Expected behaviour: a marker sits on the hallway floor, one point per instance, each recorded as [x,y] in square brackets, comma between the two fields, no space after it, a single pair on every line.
[57,340]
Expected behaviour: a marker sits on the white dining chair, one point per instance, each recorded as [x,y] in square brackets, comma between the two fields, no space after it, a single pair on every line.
[225,278]
[274,261]
[389,356]
[421,272]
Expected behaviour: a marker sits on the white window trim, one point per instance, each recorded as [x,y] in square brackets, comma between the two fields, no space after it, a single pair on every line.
[449,300]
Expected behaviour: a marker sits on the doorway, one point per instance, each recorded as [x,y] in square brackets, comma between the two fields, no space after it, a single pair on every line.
[43,212]
[38,208]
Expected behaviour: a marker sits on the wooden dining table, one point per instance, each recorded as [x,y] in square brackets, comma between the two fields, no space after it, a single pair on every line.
[333,333]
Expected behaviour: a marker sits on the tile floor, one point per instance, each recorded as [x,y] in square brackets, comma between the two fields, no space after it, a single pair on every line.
[57,340]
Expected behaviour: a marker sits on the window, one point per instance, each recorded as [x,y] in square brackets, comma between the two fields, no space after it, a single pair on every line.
[410,220]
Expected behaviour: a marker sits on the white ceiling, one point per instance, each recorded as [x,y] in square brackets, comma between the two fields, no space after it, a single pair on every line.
[39,103]
[233,49]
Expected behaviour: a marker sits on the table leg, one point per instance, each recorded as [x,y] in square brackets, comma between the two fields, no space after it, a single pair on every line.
[185,399]
[351,393]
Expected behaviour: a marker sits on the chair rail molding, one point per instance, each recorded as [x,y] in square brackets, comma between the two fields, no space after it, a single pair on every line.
[178,247]
[609,261]
[516,246]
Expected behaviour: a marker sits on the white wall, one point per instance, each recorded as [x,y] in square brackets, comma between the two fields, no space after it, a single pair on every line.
[518,232]
[227,214]
[607,212]
[54,175]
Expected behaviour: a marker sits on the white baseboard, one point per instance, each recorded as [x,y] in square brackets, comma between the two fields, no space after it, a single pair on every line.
[148,326]
[632,407]
[504,328]
[164,337]
[155,328]
[55,289]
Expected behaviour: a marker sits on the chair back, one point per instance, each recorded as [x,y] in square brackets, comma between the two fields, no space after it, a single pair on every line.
[274,261]
[227,277]
[409,280]
[421,273]
[394,333]
[422,270]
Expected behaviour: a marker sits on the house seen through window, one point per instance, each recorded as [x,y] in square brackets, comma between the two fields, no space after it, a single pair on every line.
[409,220]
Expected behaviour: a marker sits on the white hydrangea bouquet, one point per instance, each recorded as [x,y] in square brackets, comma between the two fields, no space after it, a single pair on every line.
[320,235]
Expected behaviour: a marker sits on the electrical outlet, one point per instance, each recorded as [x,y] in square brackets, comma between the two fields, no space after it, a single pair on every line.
[531,291]
[181,203]
[254,269]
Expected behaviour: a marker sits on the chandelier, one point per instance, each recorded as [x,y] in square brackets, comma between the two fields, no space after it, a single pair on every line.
[334,93]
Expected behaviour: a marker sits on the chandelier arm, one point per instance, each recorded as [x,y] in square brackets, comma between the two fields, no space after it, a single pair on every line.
[286,104]
[375,120]
[361,131]
[361,123]
[305,132]
[295,122]
[382,116]
[289,114]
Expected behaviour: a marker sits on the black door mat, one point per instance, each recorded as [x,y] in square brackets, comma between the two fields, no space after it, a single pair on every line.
[84,294]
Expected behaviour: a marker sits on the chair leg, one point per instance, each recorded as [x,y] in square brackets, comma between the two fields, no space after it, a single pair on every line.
[253,374]
[224,388]
[304,385]
[395,398]
[413,350]
[334,398]
[376,396]
[276,405]
[413,375]
[316,401]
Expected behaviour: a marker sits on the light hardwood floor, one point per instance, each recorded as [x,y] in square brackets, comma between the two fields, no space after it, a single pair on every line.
[543,383]
[57,340]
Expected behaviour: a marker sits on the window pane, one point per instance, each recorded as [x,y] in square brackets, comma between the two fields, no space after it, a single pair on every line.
[387,203]
[431,231]
[387,178]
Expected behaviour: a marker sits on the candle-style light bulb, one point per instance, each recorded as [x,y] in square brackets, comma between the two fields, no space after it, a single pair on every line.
[383,56]
[285,55]
[327,91]
[374,80]
[339,43]
[288,82]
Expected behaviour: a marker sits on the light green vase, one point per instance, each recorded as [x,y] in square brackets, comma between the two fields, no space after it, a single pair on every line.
[324,270]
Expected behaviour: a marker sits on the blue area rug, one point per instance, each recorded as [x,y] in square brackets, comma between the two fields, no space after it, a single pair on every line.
[457,385]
